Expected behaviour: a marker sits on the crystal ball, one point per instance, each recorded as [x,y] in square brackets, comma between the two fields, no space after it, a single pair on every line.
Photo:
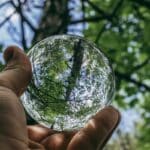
[72,80]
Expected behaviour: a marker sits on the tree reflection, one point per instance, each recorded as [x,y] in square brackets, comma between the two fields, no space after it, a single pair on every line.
[77,57]
[71,81]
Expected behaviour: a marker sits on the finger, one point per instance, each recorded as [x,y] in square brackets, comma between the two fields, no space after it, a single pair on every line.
[35,146]
[58,141]
[97,131]
[13,80]
[51,139]
[17,73]
[38,133]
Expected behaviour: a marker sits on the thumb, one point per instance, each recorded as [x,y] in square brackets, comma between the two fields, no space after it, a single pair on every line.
[13,80]
[17,73]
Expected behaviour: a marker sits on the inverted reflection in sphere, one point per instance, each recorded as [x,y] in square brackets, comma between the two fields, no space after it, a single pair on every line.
[72,80]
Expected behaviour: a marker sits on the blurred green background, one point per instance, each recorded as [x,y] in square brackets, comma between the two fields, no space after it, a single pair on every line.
[121,28]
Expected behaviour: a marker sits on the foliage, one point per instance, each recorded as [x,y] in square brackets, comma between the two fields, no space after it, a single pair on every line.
[121,28]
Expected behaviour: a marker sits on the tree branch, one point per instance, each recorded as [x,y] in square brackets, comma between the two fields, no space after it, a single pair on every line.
[144,3]
[83,15]
[38,6]
[29,23]
[118,5]
[3,4]
[23,17]
[112,16]
[128,78]
[23,33]
[139,14]
[99,10]
[19,8]
[7,18]
[100,33]
[90,19]
[139,66]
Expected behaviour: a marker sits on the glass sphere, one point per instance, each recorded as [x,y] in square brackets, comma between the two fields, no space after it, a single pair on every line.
[72,80]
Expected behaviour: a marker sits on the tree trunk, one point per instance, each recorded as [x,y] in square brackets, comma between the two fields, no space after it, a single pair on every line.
[54,21]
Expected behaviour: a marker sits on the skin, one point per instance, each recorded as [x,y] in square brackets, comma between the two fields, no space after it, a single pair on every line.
[16,135]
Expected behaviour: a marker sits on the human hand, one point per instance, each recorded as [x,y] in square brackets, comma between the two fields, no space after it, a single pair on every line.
[14,133]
